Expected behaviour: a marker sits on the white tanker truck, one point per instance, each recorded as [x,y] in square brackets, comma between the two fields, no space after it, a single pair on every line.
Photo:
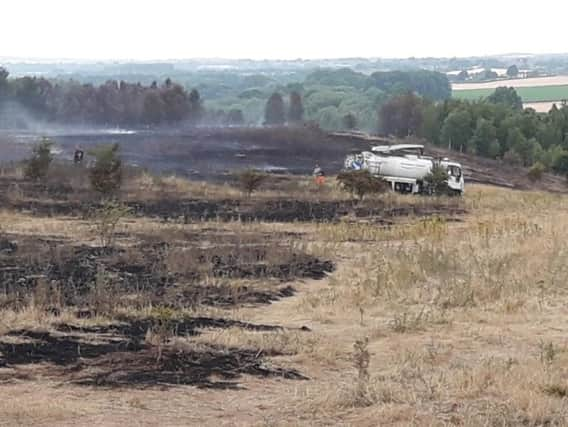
[404,166]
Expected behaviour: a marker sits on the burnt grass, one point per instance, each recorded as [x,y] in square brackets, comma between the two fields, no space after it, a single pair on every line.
[57,274]
[73,275]
[117,356]
[169,271]
[58,199]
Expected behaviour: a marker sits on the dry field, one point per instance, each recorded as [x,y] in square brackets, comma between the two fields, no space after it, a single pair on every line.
[399,311]
[542,107]
[530,82]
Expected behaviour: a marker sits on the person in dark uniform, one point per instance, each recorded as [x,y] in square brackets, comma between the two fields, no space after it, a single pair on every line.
[79,154]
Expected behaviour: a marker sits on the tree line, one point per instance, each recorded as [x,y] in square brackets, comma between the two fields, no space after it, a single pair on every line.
[496,127]
[113,103]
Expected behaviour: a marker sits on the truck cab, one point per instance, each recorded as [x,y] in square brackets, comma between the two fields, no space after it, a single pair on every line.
[455,176]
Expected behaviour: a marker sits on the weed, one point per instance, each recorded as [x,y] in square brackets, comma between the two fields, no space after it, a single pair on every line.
[547,352]
[407,322]
[362,360]
[161,330]
[556,390]
[250,181]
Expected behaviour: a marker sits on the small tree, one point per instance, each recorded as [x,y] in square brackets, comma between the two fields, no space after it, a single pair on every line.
[437,181]
[296,108]
[106,174]
[37,166]
[361,183]
[349,121]
[107,218]
[274,113]
[536,171]
[560,164]
[513,71]
[250,181]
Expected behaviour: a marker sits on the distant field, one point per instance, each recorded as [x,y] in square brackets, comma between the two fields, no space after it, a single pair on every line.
[516,83]
[529,94]
[541,107]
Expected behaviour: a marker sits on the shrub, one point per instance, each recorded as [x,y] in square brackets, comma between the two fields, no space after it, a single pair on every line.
[560,163]
[361,183]
[536,171]
[106,174]
[38,165]
[437,181]
[250,180]
[107,218]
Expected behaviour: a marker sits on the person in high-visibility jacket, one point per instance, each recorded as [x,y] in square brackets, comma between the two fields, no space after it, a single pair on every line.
[319,175]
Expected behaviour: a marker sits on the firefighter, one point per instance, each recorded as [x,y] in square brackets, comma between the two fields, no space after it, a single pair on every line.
[319,175]
[78,156]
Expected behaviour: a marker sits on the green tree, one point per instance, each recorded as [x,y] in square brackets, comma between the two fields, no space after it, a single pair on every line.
[361,183]
[560,165]
[457,130]
[488,74]
[536,171]
[37,166]
[296,108]
[513,71]
[507,96]
[195,106]
[153,112]
[525,148]
[436,181]
[3,83]
[462,76]
[349,121]
[483,136]
[106,174]
[401,115]
[274,113]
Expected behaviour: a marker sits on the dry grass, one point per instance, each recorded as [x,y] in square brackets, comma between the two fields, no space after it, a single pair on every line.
[457,323]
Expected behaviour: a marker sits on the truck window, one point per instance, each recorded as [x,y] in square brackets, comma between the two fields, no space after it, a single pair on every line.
[454,171]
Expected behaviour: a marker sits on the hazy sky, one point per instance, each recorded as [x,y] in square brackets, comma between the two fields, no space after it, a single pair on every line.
[288,29]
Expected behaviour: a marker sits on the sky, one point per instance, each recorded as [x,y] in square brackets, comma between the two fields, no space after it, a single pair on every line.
[285,29]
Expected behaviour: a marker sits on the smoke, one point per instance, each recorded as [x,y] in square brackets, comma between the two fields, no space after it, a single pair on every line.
[17,119]
[14,116]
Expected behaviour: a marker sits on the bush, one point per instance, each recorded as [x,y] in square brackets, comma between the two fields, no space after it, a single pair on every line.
[106,174]
[107,218]
[361,183]
[436,181]
[560,163]
[536,171]
[250,180]
[37,166]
